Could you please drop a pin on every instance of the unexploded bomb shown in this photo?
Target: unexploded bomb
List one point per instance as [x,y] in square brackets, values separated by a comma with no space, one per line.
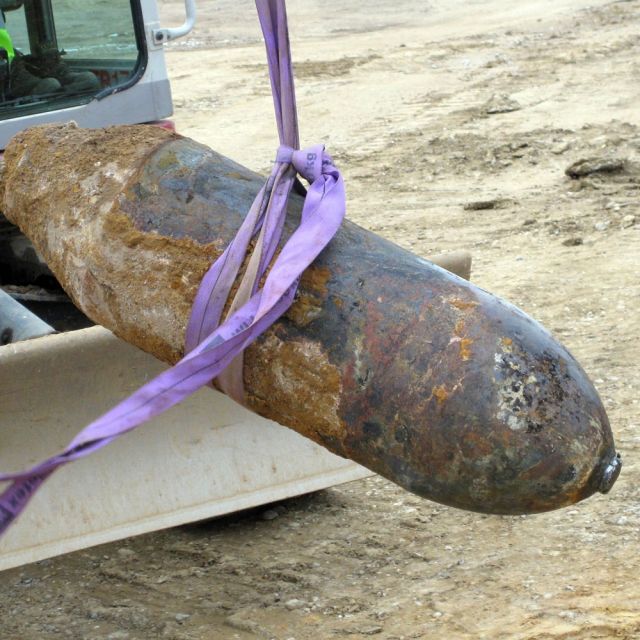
[384,358]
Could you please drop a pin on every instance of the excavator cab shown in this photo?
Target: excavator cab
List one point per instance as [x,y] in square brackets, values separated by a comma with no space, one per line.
[96,62]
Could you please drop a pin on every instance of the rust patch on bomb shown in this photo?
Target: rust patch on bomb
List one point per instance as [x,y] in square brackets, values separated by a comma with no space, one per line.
[290,380]
[311,296]
[441,394]
[465,348]
[306,309]
[464,342]
[517,390]
[123,228]
[315,280]
[464,305]
[174,269]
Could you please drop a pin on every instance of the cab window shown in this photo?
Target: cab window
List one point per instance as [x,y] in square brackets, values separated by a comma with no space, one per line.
[60,53]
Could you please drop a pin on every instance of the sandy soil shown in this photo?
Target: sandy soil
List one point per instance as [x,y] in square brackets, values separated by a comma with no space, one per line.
[454,123]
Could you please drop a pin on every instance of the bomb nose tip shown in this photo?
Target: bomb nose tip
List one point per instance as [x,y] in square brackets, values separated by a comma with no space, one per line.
[610,473]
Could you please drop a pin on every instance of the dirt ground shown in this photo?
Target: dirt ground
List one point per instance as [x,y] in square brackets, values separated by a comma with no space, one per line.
[454,123]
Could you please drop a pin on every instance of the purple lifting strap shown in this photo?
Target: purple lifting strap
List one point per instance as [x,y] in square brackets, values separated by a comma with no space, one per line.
[213,346]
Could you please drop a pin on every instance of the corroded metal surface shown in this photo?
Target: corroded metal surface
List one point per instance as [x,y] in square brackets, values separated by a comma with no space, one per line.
[384,358]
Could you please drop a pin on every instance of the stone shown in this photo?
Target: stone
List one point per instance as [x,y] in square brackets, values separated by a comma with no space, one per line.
[269,514]
[589,166]
[480,205]
[560,148]
[628,221]
[501,103]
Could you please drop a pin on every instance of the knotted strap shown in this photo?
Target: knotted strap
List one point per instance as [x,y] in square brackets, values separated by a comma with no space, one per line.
[212,345]
[263,217]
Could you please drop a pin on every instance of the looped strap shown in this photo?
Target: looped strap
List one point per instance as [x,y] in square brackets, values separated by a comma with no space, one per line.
[312,164]
[307,162]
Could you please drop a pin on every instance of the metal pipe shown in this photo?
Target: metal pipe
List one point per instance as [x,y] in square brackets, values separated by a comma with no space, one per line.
[17,323]
[163,35]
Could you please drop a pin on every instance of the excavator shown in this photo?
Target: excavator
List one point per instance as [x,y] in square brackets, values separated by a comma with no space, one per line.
[100,63]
